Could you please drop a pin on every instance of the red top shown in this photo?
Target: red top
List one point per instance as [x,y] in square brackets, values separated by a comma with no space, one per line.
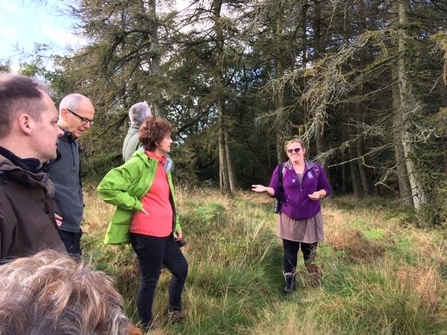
[158,221]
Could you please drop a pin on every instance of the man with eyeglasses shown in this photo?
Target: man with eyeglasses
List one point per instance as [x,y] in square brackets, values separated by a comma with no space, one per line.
[76,113]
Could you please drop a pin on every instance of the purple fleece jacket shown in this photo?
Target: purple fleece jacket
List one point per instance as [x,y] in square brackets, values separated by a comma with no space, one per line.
[295,202]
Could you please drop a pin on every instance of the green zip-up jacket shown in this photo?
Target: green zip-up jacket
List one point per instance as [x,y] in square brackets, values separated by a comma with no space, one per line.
[124,187]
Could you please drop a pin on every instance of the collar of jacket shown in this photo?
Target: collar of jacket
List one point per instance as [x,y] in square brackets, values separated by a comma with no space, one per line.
[28,164]
[166,165]
[308,164]
[68,136]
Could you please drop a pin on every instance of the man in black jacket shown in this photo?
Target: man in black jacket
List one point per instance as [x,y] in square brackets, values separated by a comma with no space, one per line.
[28,138]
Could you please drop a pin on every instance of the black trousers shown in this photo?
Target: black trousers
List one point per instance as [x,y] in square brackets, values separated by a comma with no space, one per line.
[291,248]
[152,253]
[72,242]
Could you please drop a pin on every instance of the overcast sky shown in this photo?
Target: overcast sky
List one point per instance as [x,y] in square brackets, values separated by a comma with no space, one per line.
[24,23]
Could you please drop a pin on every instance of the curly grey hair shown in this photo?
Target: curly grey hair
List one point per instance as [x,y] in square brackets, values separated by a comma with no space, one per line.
[51,294]
[139,112]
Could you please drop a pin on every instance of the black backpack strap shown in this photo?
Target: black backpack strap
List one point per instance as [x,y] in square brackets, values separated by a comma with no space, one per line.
[279,196]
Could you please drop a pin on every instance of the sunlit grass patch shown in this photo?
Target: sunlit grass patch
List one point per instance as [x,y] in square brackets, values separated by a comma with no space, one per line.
[379,276]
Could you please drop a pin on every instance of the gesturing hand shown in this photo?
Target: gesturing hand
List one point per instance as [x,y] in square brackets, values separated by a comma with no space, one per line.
[315,196]
[258,188]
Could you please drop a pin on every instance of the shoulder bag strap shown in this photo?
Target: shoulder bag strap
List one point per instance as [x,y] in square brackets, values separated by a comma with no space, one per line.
[280,182]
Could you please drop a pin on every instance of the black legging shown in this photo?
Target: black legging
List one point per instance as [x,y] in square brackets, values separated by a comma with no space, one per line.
[152,252]
[291,248]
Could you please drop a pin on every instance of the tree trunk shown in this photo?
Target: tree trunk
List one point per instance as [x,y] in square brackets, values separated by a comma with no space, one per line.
[366,185]
[367,188]
[279,93]
[226,171]
[156,53]
[355,180]
[410,187]
[319,131]
[230,166]
[225,187]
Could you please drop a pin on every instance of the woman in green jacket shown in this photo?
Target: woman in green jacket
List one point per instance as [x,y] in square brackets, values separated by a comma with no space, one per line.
[143,193]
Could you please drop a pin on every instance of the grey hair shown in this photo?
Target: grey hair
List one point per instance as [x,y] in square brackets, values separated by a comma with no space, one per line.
[51,294]
[72,101]
[139,112]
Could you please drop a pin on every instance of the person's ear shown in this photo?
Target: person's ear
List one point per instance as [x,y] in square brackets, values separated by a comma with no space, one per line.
[63,113]
[26,123]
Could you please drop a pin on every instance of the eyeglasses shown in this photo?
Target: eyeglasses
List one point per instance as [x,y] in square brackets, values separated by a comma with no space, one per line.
[296,150]
[84,120]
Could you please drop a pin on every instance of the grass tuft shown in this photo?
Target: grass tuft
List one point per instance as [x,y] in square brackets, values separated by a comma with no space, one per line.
[380,274]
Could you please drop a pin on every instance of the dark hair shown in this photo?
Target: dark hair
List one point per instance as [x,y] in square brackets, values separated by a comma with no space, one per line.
[152,131]
[19,93]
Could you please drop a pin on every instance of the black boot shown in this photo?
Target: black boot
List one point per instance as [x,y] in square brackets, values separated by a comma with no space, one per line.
[290,282]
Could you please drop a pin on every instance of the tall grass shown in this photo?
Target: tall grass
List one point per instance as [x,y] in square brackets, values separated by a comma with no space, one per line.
[380,276]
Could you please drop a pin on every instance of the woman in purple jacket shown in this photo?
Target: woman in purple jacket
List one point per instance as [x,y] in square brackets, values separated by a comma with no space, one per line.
[300,222]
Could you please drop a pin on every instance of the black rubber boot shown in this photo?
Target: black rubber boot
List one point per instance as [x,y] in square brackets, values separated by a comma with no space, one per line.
[290,282]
